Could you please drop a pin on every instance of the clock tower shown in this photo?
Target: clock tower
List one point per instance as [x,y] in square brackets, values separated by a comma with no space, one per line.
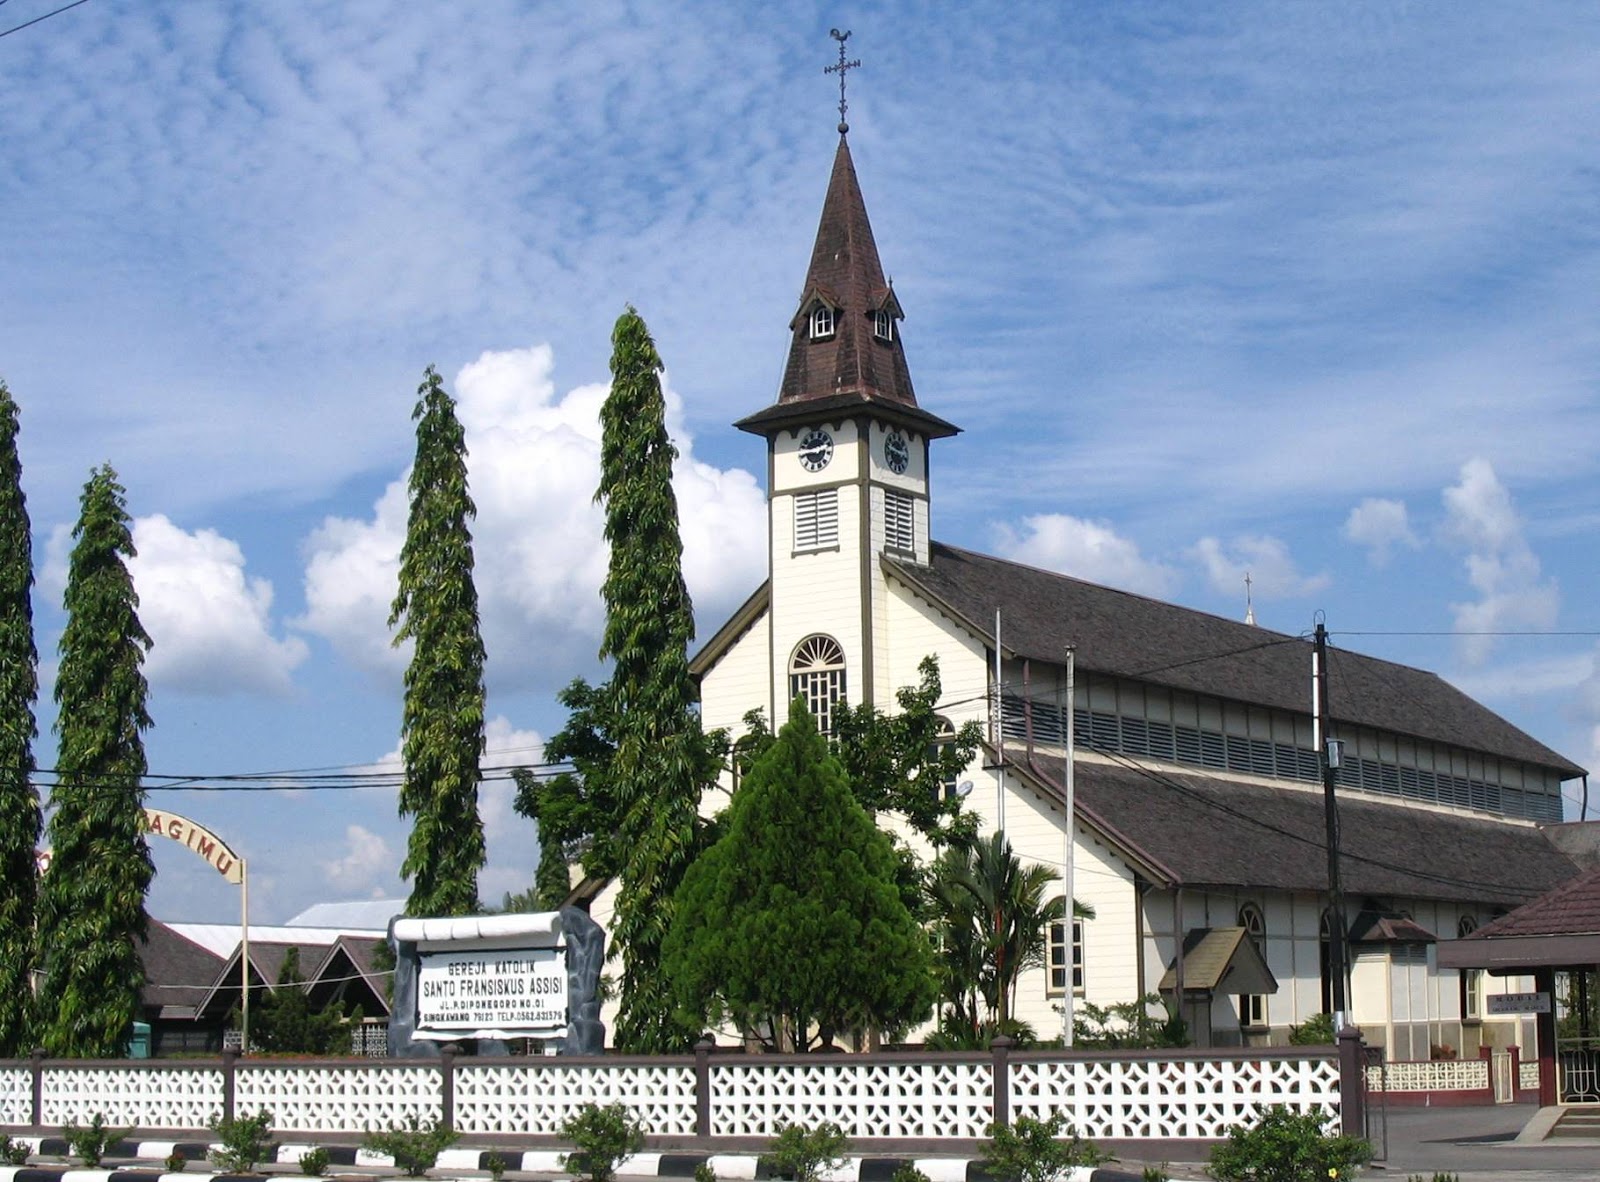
[847,467]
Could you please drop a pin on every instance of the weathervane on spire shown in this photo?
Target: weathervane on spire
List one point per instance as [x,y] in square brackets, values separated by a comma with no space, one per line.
[841,69]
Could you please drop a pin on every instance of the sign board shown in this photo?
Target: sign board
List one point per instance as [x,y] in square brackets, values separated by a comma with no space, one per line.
[199,839]
[1518,1003]
[519,992]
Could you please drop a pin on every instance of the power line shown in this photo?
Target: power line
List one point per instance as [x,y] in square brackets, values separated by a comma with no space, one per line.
[37,19]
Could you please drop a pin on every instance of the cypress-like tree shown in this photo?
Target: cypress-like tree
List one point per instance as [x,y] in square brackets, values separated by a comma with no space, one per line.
[19,801]
[792,924]
[552,882]
[437,608]
[91,906]
[640,759]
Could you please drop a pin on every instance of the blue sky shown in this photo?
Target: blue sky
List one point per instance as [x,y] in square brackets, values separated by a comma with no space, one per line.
[1304,290]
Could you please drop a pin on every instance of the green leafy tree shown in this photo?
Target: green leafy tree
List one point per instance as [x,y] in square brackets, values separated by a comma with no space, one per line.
[19,801]
[791,924]
[283,1022]
[993,924]
[1282,1145]
[437,608]
[640,760]
[91,905]
[552,882]
[905,762]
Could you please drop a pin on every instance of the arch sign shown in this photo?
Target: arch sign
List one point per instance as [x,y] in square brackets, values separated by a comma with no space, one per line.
[199,839]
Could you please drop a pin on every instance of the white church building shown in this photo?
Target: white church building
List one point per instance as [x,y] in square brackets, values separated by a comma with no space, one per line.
[1197,830]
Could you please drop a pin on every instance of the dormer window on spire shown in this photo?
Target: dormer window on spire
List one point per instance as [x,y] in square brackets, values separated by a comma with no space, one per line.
[822,322]
[883,325]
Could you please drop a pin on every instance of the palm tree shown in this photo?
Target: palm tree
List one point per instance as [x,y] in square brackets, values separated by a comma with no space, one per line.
[994,920]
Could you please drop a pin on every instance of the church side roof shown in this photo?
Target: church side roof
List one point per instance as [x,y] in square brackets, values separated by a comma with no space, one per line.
[1261,835]
[178,972]
[1571,909]
[1126,635]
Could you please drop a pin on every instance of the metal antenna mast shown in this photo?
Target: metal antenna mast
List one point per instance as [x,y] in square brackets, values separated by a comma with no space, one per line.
[841,69]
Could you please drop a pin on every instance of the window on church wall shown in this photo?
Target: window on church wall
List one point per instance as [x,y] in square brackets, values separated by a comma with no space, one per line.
[822,319]
[1471,979]
[950,786]
[1056,952]
[816,519]
[817,674]
[899,522]
[1253,1006]
[883,326]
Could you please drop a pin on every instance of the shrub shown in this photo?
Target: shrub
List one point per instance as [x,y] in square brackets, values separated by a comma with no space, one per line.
[1286,1146]
[13,1153]
[91,1141]
[413,1145]
[1143,1023]
[495,1163]
[314,1162]
[704,1173]
[244,1141]
[802,1154]
[604,1137]
[175,1162]
[1028,1150]
[906,1172]
[1315,1031]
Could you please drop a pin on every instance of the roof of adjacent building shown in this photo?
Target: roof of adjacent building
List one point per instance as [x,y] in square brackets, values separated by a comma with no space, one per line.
[1133,636]
[1270,836]
[178,972]
[1571,909]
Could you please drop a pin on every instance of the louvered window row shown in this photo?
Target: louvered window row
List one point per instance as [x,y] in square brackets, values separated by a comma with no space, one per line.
[816,519]
[899,522]
[1124,735]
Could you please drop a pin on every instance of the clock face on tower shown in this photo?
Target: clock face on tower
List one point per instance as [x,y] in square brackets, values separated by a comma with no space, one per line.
[816,449]
[896,453]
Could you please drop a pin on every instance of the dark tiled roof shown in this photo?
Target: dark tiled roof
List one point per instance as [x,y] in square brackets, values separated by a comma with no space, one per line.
[1210,831]
[1126,635]
[846,274]
[178,972]
[1571,909]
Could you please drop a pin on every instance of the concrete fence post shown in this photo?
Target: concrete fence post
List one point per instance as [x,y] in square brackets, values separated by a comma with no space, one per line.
[230,1061]
[1000,1049]
[447,1085]
[702,1087]
[37,1059]
[1352,1084]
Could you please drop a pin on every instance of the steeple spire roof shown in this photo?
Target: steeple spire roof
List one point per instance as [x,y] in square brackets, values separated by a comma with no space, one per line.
[852,355]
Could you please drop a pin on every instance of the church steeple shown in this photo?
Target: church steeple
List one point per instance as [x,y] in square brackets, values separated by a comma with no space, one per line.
[845,350]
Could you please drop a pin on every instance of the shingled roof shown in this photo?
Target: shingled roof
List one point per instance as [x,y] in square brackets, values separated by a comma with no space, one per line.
[1132,636]
[853,368]
[178,973]
[1262,835]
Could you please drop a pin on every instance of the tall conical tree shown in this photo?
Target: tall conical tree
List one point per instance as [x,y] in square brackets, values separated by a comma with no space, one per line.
[437,607]
[91,905]
[658,767]
[19,801]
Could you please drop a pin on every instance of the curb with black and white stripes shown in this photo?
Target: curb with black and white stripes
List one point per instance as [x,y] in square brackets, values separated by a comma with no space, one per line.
[734,1167]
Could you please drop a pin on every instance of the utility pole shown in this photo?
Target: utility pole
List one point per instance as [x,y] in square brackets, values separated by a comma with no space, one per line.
[1330,756]
[1070,945]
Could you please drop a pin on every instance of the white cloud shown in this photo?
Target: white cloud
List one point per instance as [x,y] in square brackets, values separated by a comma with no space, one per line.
[1089,550]
[1265,559]
[367,866]
[210,624]
[1380,525]
[533,466]
[1481,520]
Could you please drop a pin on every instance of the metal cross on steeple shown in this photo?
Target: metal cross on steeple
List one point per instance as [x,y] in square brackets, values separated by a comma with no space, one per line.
[841,69]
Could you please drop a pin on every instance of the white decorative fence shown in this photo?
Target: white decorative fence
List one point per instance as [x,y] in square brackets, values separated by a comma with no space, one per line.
[1118,1096]
[1528,1076]
[1432,1075]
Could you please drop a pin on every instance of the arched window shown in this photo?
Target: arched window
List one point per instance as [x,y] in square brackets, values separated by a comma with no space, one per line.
[949,786]
[821,322]
[1471,979]
[1056,951]
[816,673]
[1253,1006]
